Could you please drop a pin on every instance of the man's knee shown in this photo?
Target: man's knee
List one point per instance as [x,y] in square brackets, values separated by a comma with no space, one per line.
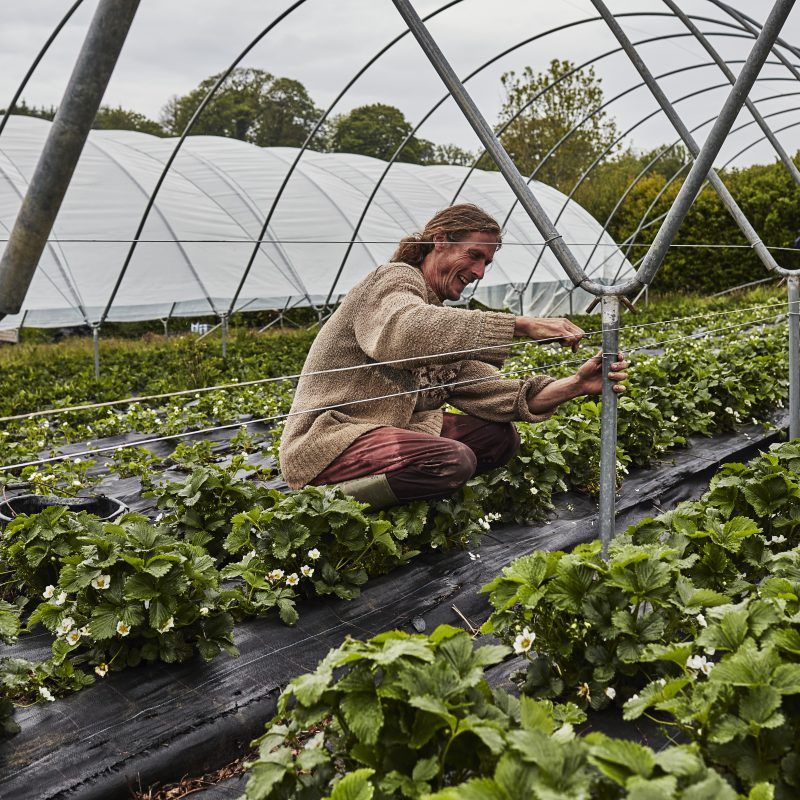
[450,466]
[504,444]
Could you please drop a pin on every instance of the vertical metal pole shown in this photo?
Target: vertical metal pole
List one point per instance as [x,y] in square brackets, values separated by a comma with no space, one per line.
[96,348]
[609,307]
[224,323]
[793,284]
[68,134]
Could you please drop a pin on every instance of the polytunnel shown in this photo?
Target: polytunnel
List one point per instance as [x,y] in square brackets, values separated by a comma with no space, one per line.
[194,249]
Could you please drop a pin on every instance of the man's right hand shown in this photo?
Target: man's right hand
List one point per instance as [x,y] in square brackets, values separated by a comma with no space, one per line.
[558,329]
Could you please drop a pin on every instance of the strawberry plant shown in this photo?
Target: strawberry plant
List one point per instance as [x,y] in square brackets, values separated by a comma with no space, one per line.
[129,591]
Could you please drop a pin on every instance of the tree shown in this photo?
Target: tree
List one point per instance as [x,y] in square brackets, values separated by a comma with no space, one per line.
[252,105]
[377,130]
[451,154]
[607,183]
[545,116]
[25,110]
[121,119]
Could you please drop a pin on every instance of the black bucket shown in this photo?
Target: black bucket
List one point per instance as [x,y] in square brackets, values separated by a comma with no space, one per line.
[106,508]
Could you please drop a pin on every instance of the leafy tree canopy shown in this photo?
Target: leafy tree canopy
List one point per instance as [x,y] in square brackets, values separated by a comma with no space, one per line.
[377,130]
[24,109]
[121,119]
[540,108]
[252,105]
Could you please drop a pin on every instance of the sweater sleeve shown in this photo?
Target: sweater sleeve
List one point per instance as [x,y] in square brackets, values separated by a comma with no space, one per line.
[485,393]
[395,321]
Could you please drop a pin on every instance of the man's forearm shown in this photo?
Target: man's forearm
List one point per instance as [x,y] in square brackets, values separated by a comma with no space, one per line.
[554,394]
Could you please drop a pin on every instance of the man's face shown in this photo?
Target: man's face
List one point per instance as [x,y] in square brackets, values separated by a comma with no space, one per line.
[454,265]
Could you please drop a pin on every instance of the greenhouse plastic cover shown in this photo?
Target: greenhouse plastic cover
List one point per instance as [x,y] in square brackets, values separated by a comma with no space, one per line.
[210,210]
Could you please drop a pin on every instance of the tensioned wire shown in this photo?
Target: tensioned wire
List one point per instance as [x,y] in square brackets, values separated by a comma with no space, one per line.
[320,409]
[394,242]
[256,382]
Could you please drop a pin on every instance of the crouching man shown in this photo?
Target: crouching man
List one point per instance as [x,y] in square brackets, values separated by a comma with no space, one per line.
[367,413]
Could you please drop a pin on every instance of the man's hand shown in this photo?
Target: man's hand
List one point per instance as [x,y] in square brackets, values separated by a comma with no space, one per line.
[560,330]
[590,375]
[587,380]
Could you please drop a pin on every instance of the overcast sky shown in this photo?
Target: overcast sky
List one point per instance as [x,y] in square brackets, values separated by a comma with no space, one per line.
[174,44]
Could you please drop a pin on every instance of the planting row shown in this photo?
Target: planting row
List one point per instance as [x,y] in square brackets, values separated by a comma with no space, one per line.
[693,619]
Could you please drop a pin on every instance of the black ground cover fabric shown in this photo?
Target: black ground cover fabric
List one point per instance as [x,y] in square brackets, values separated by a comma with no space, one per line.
[158,723]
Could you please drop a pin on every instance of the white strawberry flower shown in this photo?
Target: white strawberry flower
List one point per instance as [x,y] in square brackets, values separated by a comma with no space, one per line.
[307,571]
[101,669]
[314,554]
[46,694]
[779,539]
[49,591]
[275,575]
[699,663]
[204,611]
[102,582]
[524,641]
[73,637]
[167,626]
[123,629]
[292,580]
[701,621]
[611,692]
[65,626]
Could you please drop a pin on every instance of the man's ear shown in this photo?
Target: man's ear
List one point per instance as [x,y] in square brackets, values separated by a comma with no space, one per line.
[439,240]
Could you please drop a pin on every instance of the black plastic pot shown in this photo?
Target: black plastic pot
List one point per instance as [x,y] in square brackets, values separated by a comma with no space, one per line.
[106,508]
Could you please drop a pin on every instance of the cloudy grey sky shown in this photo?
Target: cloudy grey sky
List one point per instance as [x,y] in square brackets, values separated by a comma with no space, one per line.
[174,44]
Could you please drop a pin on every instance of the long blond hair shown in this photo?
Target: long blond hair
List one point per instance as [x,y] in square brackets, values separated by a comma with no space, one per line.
[455,222]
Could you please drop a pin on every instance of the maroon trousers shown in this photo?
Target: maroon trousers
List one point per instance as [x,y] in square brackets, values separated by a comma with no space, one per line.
[423,467]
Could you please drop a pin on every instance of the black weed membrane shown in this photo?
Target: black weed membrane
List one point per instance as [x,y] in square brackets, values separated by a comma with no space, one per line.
[157,723]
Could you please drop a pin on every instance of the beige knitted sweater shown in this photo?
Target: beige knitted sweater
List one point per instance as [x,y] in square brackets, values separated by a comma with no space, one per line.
[393,314]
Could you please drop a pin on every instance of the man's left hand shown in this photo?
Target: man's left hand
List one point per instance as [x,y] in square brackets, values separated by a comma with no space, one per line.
[590,375]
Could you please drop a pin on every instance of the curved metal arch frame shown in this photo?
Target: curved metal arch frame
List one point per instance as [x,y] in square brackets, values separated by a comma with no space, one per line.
[632,185]
[472,74]
[591,168]
[602,155]
[35,63]
[630,241]
[198,111]
[318,125]
[711,50]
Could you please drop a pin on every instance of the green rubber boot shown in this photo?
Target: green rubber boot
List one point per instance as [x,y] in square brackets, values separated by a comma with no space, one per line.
[371,489]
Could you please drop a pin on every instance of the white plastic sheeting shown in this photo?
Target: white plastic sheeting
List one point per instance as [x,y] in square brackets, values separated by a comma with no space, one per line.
[208,214]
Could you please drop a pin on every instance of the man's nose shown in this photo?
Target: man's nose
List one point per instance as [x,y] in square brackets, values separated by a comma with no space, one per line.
[478,272]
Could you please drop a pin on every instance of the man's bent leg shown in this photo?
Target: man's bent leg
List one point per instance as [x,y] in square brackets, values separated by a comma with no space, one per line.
[413,466]
[494,443]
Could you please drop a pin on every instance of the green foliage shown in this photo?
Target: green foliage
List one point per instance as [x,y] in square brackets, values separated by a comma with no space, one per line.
[252,105]
[542,118]
[122,119]
[404,716]
[377,130]
[120,592]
